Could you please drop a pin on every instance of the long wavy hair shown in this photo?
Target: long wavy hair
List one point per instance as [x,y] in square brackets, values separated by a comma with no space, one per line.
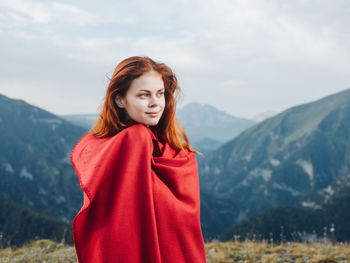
[112,119]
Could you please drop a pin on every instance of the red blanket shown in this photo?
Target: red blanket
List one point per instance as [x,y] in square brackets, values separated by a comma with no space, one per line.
[141,200]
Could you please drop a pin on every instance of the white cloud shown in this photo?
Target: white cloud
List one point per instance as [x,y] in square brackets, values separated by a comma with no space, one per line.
[47,12]
[234,83]
[257,55]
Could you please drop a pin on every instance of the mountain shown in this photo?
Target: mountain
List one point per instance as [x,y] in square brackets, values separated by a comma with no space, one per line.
[19,223]
[82,120]
[214,214]
[282,159]
[205,121]
[329,207]
[263,116]
[206,126]
[38,181]
[35,168]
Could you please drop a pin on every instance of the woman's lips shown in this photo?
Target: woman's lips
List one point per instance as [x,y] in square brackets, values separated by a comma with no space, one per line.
[153,114]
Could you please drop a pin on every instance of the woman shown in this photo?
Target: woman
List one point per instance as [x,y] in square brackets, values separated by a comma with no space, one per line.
[139,174]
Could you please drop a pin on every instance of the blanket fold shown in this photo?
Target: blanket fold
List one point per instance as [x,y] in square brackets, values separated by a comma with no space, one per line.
[141,200]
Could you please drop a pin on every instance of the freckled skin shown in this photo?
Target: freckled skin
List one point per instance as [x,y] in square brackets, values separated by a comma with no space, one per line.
[145,95]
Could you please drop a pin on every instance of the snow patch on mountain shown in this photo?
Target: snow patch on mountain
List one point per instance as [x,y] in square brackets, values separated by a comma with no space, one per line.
[54,122]
[30,148]
[60,199]
[216,170]
[308,169]
[55,171]
[310,204]
[286,188]
[42,191]
[241,216]
[275,162]
[66,158]
[8,167]
[26,174]
[248,157]
[265,174]
[329,190]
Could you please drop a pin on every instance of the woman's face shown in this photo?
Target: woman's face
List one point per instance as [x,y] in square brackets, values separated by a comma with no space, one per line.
[144,101]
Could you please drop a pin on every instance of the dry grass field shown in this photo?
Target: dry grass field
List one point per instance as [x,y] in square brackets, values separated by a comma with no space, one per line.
[46,251]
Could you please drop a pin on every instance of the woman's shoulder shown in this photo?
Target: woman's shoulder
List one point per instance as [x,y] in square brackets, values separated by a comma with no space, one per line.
[135,133]
[138,129]
[138,133]
[135,136]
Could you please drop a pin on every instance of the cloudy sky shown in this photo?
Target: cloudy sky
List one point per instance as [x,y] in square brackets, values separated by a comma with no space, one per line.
[245,57]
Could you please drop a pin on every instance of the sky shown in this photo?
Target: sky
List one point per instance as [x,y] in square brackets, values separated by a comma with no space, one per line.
[245,57]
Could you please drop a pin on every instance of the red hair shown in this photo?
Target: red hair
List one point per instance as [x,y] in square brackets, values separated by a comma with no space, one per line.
[112,118]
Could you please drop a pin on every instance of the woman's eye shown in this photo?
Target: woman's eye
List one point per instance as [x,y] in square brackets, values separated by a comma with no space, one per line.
[145,94]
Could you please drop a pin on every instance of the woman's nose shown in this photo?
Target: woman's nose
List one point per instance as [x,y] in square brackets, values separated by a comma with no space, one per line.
[154,100]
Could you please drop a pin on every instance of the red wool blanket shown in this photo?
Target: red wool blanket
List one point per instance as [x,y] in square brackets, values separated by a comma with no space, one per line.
[141,200]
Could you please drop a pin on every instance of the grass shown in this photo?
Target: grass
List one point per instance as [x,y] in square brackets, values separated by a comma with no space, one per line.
[39,251]
[47,251]
[249,251]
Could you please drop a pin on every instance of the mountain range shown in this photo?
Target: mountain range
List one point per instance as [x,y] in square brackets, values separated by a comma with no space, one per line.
[324,214]
[20,223]
[281,160]
[206,126]
[284,166]
[35,167]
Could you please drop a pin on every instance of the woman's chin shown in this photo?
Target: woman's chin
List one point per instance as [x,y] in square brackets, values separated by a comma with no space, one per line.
[151,122]
[147,121]
[154,123]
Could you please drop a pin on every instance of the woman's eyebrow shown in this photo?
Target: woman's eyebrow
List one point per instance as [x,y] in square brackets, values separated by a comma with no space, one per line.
[148,90]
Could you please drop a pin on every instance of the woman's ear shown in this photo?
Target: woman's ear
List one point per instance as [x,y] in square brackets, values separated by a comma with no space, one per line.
[119,101]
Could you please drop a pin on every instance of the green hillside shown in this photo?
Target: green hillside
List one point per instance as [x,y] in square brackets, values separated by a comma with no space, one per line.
[19,224]
[282,159]
[311,219]
[35,167]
